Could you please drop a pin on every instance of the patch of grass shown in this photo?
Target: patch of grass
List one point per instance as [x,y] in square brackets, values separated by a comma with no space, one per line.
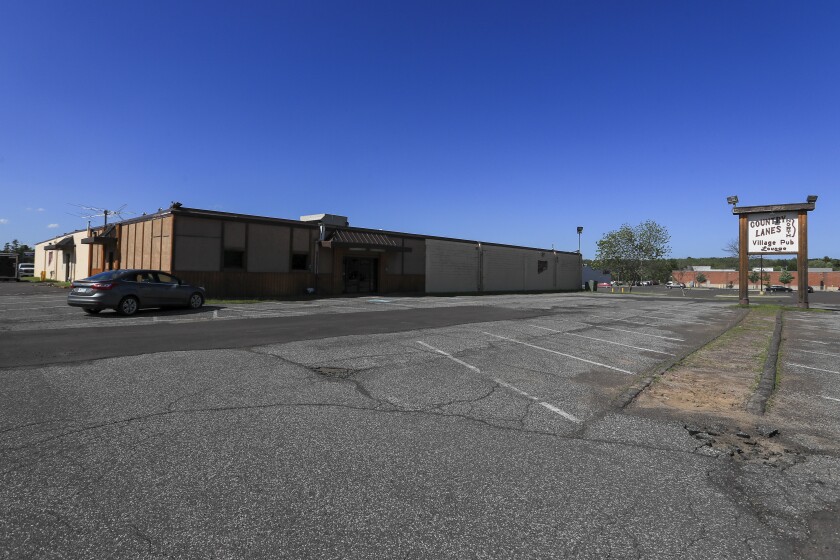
[47,282]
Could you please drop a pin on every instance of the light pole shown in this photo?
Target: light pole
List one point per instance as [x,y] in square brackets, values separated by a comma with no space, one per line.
[579,230]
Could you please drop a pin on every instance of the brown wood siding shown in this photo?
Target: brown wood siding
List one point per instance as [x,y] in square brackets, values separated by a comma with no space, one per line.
[240,284]
[128,247]
[147,244]
[155,261]
[402,283]
[166,241]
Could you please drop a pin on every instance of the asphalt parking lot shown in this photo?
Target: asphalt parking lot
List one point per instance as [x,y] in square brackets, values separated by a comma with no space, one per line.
[434,427]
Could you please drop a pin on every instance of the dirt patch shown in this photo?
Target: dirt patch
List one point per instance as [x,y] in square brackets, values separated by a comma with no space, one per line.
[711,387]
[720,377]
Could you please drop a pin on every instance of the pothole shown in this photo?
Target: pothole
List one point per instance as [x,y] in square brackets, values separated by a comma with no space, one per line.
[759,444]
[334,372]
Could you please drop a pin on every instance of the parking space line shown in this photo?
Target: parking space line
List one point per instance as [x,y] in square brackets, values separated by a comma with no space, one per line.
[632,332]
[817,342]
[820,353]
[604,340]
[813,368]
[450,356]
[551,407]
[830,398]
[559,353]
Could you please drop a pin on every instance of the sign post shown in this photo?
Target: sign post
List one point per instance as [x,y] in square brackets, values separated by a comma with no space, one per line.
[780,229]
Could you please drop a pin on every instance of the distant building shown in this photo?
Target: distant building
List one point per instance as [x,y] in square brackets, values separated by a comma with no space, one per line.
[238,255]
[818,278]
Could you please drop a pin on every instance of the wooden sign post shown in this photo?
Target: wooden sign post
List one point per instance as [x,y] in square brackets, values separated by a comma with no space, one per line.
[780,229]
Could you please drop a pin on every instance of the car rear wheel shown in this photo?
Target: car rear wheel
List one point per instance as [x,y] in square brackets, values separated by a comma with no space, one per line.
[128,306]
[91,310]
[196,301]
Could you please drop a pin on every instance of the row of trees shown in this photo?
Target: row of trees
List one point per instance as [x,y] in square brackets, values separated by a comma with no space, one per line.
[16,247]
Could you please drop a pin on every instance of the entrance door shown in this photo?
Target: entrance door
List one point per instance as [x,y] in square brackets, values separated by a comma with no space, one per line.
[360,275]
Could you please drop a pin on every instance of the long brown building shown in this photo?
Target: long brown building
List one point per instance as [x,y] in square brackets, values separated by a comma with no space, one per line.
[237,255]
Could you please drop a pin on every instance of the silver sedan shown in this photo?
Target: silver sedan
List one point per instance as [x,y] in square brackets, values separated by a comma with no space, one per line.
[126,291]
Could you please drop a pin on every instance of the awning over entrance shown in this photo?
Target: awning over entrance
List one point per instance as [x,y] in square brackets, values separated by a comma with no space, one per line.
[363,240]
[63,245]
[106,237]
[99,240]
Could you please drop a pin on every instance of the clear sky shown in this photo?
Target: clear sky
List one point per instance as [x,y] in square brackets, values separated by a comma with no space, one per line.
[509,122]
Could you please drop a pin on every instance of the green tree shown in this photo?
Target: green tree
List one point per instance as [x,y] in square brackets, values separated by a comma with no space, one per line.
[765,280]
[16,247]
[785,277]
[753,277]
[700,278]
[634,252]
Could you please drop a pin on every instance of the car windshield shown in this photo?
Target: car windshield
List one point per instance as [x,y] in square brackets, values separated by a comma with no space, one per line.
[107,275]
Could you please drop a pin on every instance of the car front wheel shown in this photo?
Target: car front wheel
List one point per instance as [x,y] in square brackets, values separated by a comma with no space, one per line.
[128,306]
[196,301]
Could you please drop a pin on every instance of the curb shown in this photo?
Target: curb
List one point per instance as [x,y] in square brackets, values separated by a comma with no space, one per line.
[758,401]
[630,394]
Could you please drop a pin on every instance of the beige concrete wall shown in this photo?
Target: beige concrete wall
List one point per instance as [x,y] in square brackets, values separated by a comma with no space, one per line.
[63,265]
[451,266]
[455,267]
[504,269]
[569,271]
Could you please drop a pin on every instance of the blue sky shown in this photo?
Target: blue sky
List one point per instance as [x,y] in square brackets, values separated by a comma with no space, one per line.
[510,122]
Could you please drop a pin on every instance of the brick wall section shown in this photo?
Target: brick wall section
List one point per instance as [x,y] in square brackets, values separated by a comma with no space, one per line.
[721,278]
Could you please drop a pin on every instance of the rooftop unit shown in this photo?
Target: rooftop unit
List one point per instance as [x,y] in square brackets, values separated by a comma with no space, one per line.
[332,220]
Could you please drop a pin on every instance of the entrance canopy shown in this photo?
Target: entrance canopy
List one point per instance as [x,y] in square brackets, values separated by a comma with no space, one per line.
[106,237]
[363,240]
[64,245]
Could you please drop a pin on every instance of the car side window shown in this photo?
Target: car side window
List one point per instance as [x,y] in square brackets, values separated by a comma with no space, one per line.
[164,278]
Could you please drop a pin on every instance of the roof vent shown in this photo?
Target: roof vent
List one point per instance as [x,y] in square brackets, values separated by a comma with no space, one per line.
[332,220]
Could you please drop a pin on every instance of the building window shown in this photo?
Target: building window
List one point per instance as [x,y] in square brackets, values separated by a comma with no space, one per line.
[542,266]
[234,259]
[300,261]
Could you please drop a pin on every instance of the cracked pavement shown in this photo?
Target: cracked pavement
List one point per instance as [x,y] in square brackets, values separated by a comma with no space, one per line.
[376,446]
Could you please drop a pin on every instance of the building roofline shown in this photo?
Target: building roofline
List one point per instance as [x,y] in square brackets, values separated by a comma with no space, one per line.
[74,232]
[214,214]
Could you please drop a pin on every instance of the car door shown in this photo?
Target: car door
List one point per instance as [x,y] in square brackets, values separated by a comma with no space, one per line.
[140,283]
[169,289]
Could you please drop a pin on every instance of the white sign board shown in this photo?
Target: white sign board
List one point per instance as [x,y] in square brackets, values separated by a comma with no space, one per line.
[773,232]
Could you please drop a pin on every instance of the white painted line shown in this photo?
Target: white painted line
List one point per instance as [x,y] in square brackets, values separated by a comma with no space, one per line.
[820,353]
[813,368]
[556,410]
[604,340]
[817,342]
[450,356]
[550,407]
[679,320]
[392,303]
[830,398]
[559,353]
[515,389]
[631,332]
